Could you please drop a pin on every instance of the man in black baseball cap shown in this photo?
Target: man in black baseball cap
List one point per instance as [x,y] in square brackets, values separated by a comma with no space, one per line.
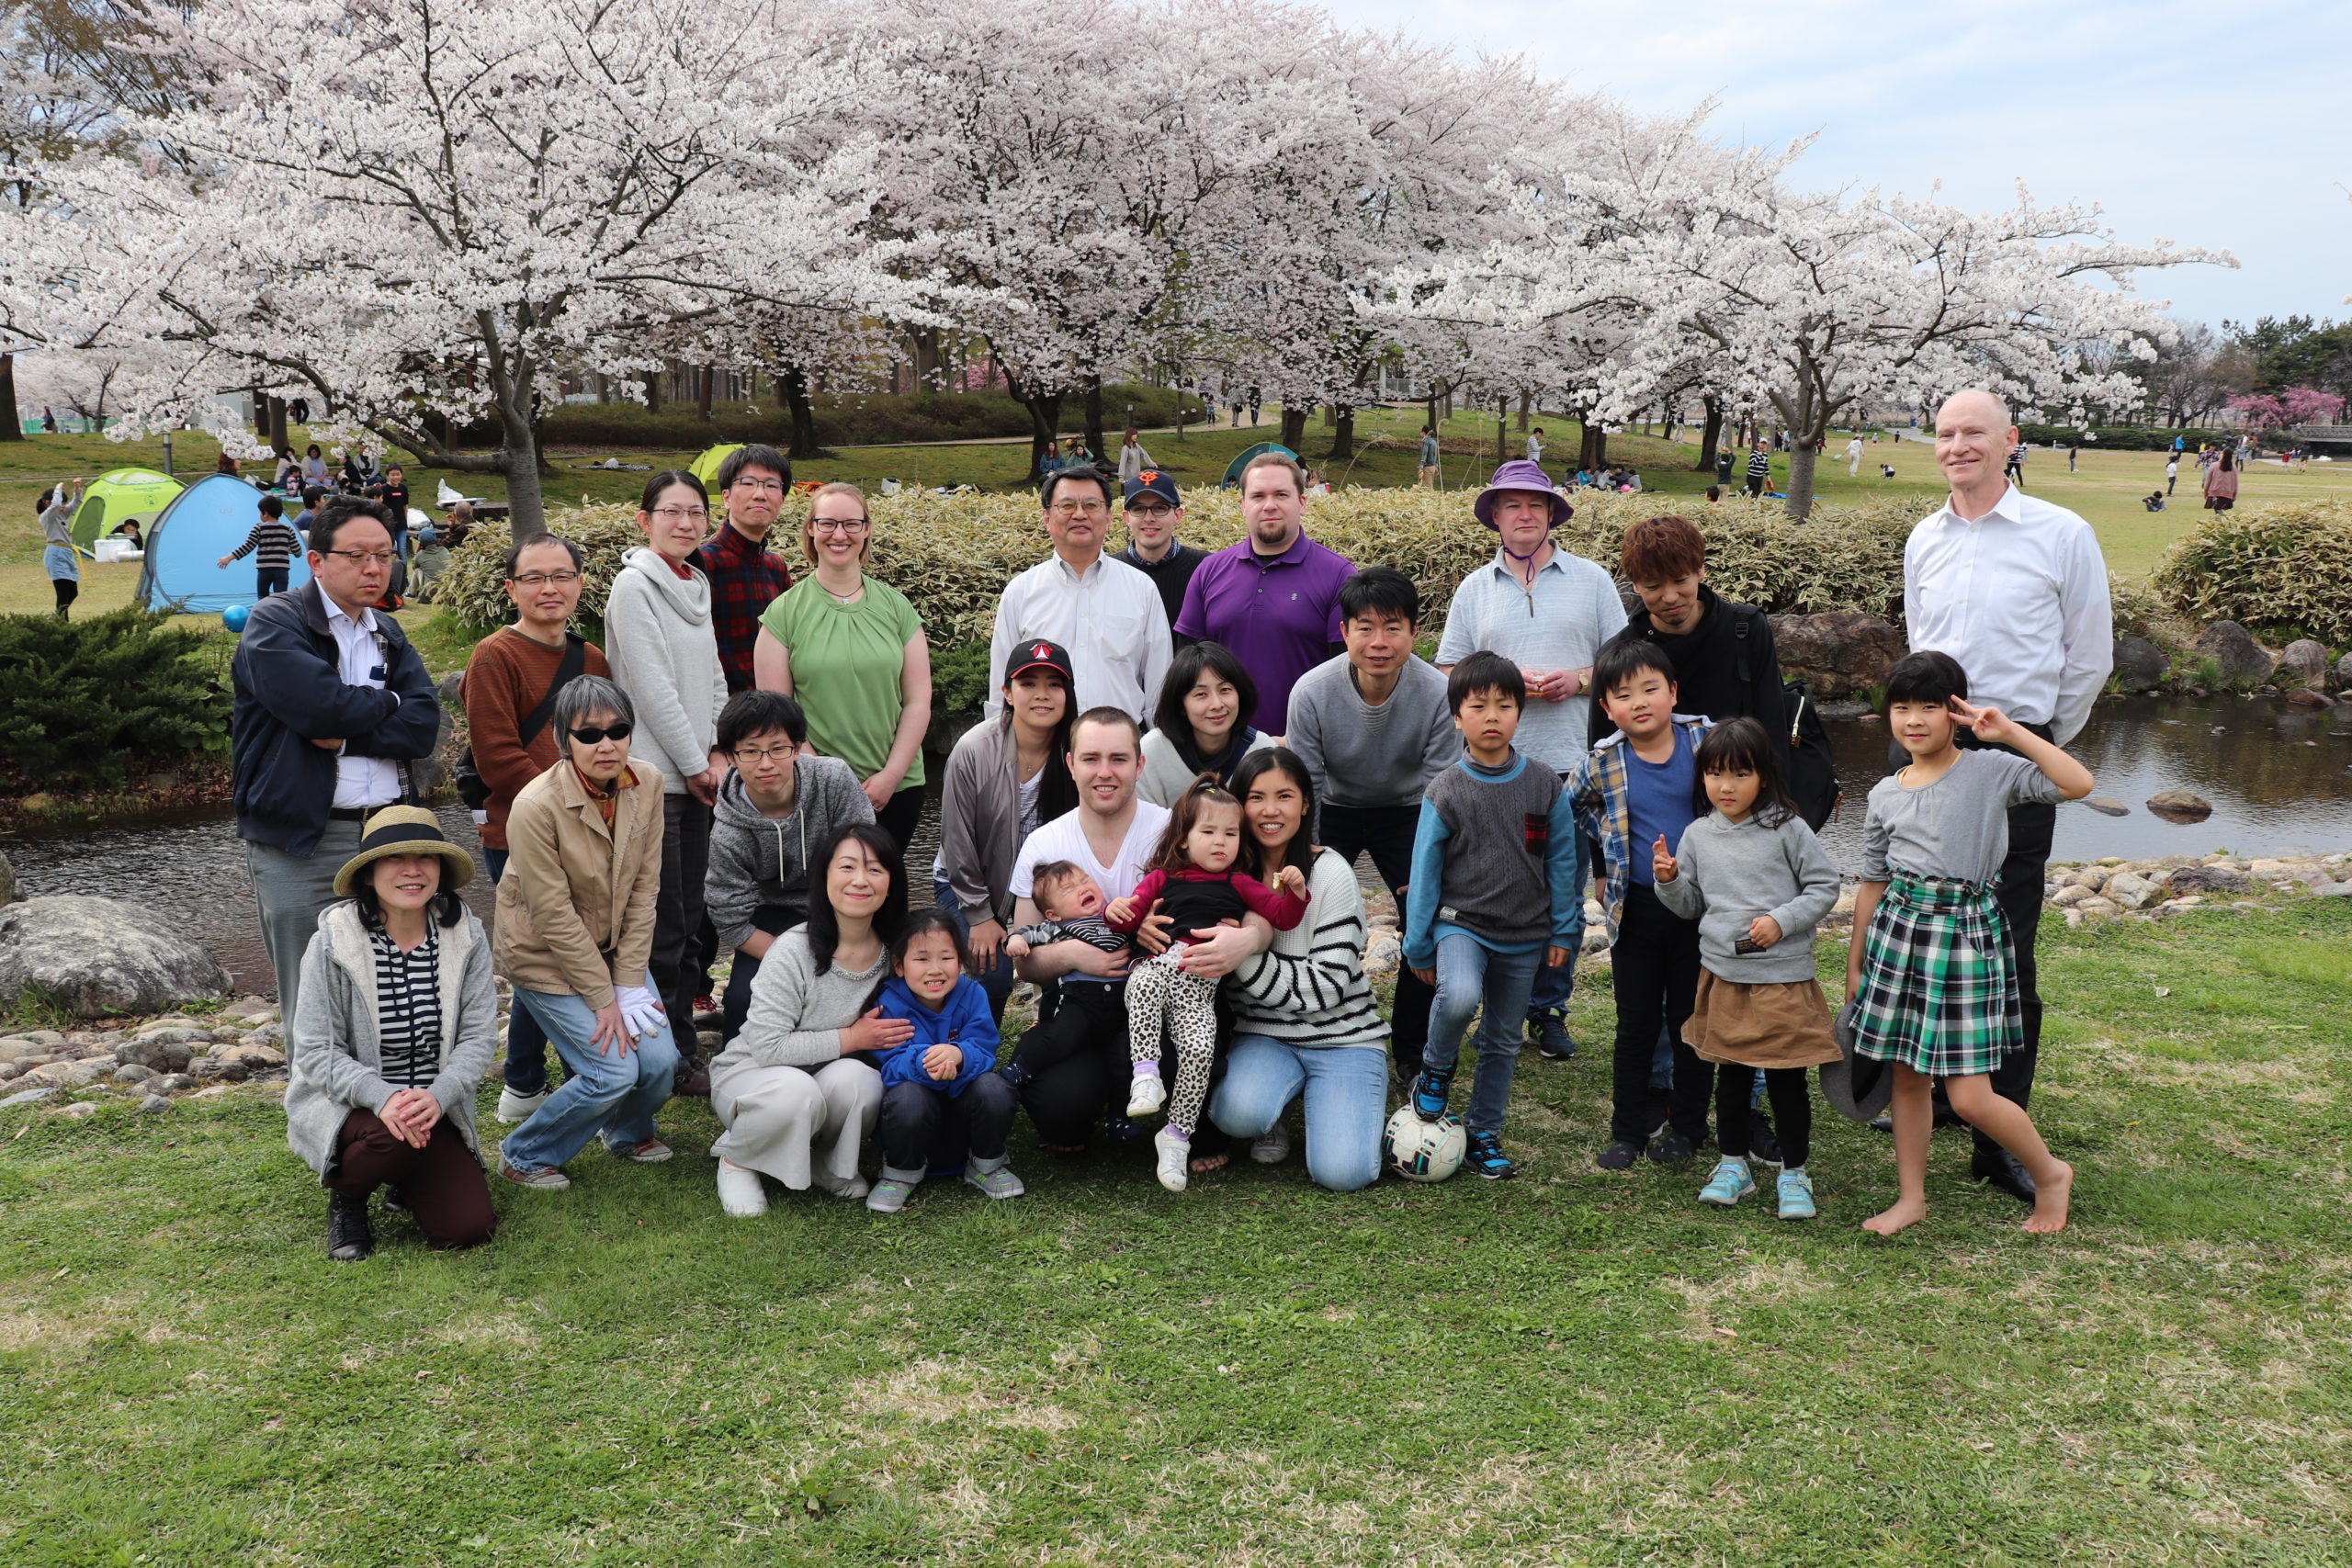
[1154,513]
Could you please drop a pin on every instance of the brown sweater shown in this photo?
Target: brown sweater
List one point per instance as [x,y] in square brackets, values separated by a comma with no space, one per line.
[507,677]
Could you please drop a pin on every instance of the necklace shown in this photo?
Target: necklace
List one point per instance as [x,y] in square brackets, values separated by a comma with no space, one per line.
[852,597]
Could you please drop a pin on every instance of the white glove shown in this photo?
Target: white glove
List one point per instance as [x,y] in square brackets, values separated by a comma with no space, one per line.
[640,1010]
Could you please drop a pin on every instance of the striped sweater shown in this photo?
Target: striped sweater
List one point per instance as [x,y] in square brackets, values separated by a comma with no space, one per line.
[275,538]
[1309,989]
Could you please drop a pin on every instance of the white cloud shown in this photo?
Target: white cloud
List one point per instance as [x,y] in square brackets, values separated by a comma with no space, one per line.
[2214,128]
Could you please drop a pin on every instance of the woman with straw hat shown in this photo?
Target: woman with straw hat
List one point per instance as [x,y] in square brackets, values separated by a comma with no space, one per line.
[575,934]
[396,1023]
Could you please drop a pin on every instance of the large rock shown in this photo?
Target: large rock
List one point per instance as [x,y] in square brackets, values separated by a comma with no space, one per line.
[2343,673]
[7,880]
[2302,663]
[1839,652]
[2243,660]
[2138,664]
[94,956]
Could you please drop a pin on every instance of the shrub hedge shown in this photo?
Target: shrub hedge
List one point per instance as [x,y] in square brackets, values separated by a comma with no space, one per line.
[854,420]
[2123,437]
[2285,570]
[99,698]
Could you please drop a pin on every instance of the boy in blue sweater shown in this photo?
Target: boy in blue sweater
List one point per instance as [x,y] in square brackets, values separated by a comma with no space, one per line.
[1634,794]
[1493,894]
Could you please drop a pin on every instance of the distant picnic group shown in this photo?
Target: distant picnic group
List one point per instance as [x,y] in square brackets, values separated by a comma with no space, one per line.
[1155,823]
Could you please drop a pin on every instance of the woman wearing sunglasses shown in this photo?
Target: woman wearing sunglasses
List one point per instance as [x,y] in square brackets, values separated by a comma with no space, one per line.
[575,930]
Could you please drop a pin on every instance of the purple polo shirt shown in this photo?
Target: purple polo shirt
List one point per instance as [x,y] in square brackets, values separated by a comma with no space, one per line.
[1279,615]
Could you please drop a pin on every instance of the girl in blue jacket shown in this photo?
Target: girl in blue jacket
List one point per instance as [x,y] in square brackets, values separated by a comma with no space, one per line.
[943,1104]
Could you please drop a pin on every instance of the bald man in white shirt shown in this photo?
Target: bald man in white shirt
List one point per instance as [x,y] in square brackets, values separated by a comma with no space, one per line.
[2016,589]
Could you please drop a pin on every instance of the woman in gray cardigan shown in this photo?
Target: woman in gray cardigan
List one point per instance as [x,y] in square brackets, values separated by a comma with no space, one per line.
[396,1023]
[1005,776]
[797,1085]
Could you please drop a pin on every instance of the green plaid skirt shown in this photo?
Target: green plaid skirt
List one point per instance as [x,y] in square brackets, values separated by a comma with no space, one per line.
[1938,991]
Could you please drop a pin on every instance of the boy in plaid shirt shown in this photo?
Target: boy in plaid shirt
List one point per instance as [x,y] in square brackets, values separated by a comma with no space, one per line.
[1636,790]
[1931,979]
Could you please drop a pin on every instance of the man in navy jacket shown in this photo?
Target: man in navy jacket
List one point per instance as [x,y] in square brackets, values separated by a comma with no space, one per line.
[332,700]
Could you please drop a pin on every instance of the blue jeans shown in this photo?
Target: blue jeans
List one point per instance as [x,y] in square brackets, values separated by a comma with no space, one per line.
[997,981]
[1554,987]
[1474,978]
[527,1043]
[611,1091]
[1347,1099]
[272,579]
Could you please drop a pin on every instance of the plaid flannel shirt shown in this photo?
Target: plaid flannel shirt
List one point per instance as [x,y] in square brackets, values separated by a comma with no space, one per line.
[1603,799]
[745,578]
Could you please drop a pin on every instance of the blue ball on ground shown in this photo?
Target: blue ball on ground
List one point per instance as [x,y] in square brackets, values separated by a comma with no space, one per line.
[234,617]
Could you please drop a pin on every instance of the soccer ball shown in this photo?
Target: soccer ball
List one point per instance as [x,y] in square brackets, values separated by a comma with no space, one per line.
[1422,1151]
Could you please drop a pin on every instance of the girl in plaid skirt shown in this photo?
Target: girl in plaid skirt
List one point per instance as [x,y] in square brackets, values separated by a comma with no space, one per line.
[1931,983]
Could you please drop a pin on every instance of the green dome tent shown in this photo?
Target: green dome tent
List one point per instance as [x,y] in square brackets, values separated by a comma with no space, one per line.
[118,498]
[1232,469]
[706,468]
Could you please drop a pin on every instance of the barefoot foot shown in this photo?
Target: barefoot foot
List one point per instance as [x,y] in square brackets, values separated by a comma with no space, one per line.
[2050,1198]
[1903,1216]
[1203,1164]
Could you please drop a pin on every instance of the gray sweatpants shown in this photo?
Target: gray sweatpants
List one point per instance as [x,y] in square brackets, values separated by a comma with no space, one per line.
[290,891]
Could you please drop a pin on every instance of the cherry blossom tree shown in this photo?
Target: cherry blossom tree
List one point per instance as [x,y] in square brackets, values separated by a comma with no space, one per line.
[2284,411]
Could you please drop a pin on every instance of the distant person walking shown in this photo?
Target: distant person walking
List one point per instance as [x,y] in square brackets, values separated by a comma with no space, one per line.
[272,545]
[2172,472]
[1133,458]
[1428,464]
[1854,458]
[57,556]
[1535,453]
[2074,458]
[2222,484]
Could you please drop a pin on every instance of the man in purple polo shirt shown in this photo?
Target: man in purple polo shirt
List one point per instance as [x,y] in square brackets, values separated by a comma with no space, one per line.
[1273,599]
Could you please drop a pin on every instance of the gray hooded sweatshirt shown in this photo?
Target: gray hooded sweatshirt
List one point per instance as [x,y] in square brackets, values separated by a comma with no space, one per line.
[1728,873]
[756,858]
[664,654]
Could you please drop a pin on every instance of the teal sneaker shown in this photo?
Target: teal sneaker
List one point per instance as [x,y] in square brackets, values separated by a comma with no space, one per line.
[1796,1194]
[1729,1184]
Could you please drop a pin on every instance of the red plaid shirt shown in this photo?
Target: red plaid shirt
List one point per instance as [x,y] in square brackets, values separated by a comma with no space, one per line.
[745,578]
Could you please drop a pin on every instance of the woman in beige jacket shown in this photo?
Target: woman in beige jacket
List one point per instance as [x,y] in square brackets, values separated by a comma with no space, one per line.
[575,927]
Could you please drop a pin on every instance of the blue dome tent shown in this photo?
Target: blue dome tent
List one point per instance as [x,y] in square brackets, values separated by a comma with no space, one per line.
[204,523]
[1241,460]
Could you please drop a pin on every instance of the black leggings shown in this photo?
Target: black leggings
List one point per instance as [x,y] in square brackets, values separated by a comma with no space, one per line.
[1792,1109]
[67,588]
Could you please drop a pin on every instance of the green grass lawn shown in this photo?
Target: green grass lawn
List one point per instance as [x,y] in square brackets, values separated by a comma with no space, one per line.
[1571,1368]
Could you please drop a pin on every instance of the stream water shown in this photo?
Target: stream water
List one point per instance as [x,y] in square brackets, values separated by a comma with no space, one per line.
[2279,778]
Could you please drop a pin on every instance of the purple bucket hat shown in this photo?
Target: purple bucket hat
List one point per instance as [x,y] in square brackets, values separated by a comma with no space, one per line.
[1521,474]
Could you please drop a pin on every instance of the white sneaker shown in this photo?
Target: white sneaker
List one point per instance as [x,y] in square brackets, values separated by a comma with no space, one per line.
[1146,1095]
[513,1108]
[740,1192]
[845,1186]
[1271,1146]
[1175,1158]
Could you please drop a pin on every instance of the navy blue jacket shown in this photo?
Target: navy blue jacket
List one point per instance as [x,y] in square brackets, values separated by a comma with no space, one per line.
[290,689]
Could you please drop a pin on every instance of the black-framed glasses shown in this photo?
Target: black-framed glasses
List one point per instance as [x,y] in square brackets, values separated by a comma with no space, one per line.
[541,578]
[364,558]
[589,735]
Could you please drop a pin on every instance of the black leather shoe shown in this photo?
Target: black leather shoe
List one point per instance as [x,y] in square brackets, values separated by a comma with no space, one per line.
[1881,1124]
[349,1239]
[2001,1168]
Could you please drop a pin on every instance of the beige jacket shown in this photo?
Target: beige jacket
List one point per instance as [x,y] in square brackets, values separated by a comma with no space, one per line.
[575,907]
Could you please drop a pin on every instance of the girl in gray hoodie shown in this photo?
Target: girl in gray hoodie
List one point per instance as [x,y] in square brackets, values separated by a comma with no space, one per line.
[1757,881]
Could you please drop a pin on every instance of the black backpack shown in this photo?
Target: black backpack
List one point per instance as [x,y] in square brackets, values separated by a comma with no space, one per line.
[1812,763]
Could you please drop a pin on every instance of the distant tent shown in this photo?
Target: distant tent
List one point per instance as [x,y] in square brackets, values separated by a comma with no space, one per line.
[706,468]
[1232,469]
[120,497]
[210,518]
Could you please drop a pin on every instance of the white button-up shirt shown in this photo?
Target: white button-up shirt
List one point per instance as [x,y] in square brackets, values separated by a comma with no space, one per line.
[1559,624]
[360,782]
[2019,598]
[1108,616]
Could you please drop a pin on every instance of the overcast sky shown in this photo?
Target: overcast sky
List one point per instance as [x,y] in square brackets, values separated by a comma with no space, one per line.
[2221,125]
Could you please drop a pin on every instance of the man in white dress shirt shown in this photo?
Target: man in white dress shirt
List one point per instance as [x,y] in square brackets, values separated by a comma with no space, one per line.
[2016,589]
[1105,613]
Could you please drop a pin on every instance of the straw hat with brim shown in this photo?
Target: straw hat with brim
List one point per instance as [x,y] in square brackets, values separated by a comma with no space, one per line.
[1858,1088]
[1521,474]
[405,830]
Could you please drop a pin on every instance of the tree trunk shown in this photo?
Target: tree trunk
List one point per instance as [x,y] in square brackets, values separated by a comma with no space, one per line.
[1807,418]
[702,391]
[1095,437]
[11,423]
[277,421]
[1523,401]
[653,388]
[1711,436]
[1665,421]
[924,342]
[1294,426]
[1343,439]
[1592,447]
[792,386]
[1502,430]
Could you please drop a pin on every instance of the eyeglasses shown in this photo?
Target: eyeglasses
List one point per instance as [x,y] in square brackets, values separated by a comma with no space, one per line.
[838,525]
[589,735]
[364,558]
[748,755]
[1152,513]
[683,513]
[541,578]
[757,487]
[1079,508]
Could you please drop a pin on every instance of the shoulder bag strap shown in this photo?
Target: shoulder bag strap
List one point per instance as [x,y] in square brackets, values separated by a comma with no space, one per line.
[575,660]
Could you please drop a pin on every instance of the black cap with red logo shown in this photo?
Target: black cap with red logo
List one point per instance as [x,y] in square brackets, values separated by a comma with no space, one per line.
[1038,654]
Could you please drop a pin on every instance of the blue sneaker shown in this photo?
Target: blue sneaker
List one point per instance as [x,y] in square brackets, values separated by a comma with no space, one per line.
[1548,1032]
[1796,1194]
[1729,1184]
[1485,1157]
[1431,1090]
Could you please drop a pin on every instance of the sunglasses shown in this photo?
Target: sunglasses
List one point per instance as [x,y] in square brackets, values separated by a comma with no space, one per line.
[591,736]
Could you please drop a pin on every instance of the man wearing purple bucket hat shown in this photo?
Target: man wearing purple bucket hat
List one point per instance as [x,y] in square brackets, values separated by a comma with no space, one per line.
[1549,612]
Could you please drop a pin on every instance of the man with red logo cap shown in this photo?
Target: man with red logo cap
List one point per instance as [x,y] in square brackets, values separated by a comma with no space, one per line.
[1154,513]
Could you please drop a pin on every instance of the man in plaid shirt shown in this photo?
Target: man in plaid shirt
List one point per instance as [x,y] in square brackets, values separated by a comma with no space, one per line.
[746,576]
